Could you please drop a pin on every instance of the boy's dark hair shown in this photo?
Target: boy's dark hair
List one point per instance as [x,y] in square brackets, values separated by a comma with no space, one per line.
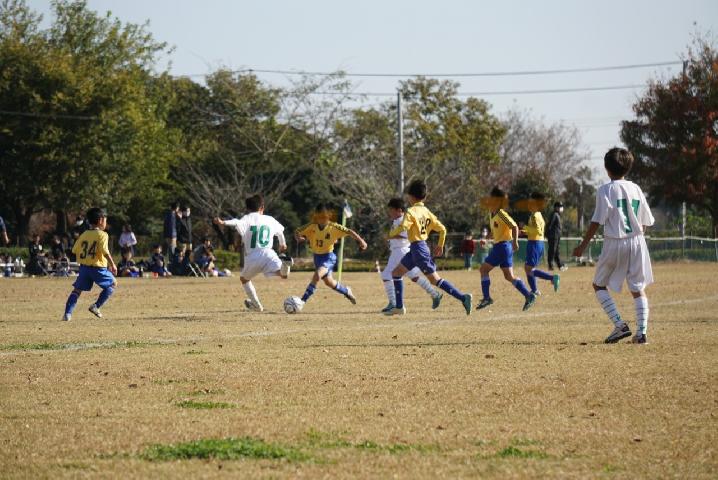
[396,203]
[618,161]
[95,214]
[321,207]
[174,205]
[538,196]
[417,189]
[254,203]
[156,246]
[497,192]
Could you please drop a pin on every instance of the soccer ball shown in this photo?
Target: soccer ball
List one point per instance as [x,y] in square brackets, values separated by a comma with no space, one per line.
[293,305]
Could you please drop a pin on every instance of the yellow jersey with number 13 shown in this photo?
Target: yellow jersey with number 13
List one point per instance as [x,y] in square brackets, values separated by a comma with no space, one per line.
[419,222]
[91,248]
[322,240]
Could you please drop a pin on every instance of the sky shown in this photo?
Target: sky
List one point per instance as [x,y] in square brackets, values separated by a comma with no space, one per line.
[448,36]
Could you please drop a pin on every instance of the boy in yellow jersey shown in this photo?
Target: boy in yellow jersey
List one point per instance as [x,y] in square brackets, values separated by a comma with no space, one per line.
[321,235]
[506,234]
[93,255]
[534,248]
[419,222]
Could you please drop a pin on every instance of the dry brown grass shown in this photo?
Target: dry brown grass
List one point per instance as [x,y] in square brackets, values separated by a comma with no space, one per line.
[500,394]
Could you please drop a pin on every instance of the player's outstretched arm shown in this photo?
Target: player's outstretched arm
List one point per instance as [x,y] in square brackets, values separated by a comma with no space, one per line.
[282,242]
[218,221]
[111,263]
[515,238]
[592,229]
[357,237]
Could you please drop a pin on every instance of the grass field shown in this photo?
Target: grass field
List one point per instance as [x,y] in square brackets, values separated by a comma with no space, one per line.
[178,380]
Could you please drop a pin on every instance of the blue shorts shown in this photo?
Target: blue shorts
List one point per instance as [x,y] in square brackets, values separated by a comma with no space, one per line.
[534,252]
[326,260]
[89,275]
[419,256]
[501,255]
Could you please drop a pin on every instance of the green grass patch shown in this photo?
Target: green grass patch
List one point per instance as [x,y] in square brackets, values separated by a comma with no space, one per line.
[224,449]
[203,405]
[515,452]
[77,345]
[318,439]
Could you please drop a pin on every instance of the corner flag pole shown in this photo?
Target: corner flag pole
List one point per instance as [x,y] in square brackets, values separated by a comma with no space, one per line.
[346,213]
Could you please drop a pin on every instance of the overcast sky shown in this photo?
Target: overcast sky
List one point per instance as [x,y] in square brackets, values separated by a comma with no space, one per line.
[448,36]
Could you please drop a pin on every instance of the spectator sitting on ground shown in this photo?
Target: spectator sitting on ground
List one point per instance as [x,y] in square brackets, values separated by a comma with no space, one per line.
[57,249]
[157,262]
[201,253]
[128,267]
[127,238]
[37,264]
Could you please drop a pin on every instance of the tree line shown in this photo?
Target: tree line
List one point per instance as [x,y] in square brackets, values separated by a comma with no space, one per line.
[88,117]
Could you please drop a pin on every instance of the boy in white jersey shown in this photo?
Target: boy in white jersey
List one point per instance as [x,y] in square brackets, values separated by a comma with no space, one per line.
[257,231]
[399,246]
[622,209]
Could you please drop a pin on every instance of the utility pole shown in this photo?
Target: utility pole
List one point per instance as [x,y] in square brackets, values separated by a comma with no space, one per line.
[400,141]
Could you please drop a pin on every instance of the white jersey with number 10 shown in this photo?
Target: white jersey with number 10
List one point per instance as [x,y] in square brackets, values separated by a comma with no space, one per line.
[257,231]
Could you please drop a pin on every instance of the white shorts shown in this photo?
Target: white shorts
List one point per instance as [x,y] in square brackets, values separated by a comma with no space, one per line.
[624,259]
[394,260]
[263,261]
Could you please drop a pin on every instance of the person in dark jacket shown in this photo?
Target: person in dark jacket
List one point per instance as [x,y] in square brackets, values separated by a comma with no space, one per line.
[553,235]
[184,229]
[170,227]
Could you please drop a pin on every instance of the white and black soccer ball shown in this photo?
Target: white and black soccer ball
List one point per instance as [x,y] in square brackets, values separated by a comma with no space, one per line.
[293,305]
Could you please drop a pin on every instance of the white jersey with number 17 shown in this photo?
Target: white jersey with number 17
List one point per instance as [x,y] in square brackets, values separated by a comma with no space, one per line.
[622,209]
[257,231]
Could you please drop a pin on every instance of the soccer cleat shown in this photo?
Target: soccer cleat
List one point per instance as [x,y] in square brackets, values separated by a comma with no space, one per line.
[66,317]
[436,301]
[530,300]
[287,263]
[485,302]
[254,306]
[618,333]
[396,311]
[640,338]
[563,268]
[350,296]
[467,303]
[95,311]
[537,293]
[388,307]
[556,281]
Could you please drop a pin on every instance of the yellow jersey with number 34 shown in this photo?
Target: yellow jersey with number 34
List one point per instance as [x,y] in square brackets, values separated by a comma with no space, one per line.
[91,248]
[419,222]
[322,240]
[501,226]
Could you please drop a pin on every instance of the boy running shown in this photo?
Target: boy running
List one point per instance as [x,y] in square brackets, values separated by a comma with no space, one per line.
[535,247]
[321,235]
[399,246]
[93,254]
[419,222]
[257,232]
[622,209]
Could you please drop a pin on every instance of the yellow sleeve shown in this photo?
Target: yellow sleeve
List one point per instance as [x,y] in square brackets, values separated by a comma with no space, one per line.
[531,229]
[405,224]
[76,246]
[437,226]
[104,246]
[341,231]
[303,231]
[506,219]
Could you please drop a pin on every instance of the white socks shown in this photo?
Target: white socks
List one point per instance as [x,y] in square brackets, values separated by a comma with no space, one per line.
[251,292]
[390,292]
[604,298]
[424,283]
[641,314]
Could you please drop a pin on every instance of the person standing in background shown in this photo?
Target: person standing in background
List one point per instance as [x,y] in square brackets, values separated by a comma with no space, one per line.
[128,239]
[468,247]
[554,237]
[184,229]
[170,227]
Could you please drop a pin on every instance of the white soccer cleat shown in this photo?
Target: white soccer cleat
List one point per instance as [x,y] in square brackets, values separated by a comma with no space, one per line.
[95,311]
[253,306]
[350,296]
[66,317]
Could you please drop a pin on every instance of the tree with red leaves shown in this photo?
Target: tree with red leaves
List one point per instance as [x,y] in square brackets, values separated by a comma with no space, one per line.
[674,137]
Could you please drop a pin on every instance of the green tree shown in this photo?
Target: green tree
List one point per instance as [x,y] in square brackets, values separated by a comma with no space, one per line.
[674,137]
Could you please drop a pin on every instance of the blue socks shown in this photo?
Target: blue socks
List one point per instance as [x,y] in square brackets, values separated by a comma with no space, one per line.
[450,289]
[485,285]
[399,290]
[309,292]
[521,287]
[543,275]
[104,296]
[341,289]
[532,282]
[71,302]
